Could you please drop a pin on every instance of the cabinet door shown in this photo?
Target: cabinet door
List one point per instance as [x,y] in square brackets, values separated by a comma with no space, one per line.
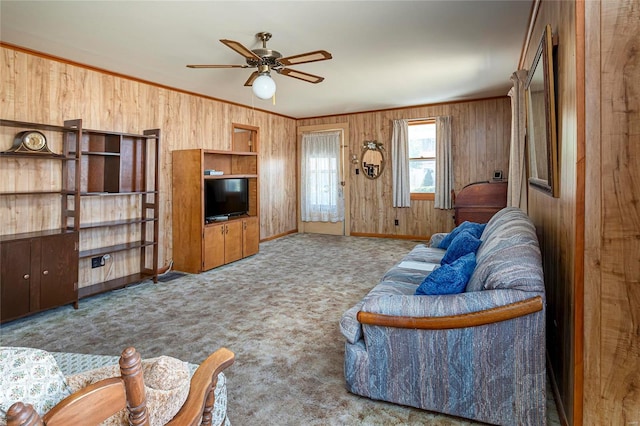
[250,236]
[233,241]
[15,278]
[58,270]
[213,246]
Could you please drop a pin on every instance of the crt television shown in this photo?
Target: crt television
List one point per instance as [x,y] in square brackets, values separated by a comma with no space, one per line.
[226,197]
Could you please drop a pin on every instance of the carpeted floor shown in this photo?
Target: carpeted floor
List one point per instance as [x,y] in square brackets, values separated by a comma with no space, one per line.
[278,311]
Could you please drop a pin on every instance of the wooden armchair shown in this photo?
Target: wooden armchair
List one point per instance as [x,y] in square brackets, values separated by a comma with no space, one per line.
[101,400]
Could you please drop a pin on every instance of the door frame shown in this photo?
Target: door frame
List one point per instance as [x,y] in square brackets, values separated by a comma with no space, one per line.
[344,169]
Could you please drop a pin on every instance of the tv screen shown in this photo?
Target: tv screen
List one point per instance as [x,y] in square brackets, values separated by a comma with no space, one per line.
[226,197]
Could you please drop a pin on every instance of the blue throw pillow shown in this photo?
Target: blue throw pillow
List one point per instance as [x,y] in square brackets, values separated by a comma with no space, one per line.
[462,244]
[450,278]
[476,230]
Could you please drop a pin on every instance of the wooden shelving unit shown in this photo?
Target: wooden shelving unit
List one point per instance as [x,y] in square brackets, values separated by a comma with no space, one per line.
[97,169]
[122,167]
[39,268]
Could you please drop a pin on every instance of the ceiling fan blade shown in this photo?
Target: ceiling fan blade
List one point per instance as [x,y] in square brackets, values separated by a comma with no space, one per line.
[247,53]
[301,75]
[252,77]
[318,55]
[217,66]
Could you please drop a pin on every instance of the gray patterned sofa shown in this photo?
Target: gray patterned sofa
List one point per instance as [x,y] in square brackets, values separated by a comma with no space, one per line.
[479,354]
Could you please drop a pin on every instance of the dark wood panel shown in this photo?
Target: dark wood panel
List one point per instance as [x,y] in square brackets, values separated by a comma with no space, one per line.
[478,202]
[15,265]
[59,270]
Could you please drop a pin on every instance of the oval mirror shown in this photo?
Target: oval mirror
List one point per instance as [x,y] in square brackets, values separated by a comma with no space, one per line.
[372,159]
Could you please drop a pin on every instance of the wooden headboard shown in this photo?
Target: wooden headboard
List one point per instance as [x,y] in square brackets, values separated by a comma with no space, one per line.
[479,201]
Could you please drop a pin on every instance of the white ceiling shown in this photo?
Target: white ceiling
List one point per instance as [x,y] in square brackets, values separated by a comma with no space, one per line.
[386,54]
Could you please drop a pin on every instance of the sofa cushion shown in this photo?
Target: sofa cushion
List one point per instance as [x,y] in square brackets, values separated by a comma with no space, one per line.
[450,278]
[464,243]
[476,230]
[509,256]
[30,376]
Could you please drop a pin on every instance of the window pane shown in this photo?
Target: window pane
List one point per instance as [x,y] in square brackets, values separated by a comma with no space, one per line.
[422,176]
[322,169]
[422,141]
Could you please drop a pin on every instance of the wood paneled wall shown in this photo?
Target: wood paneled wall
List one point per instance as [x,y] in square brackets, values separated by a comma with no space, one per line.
[480,136]
[555,218]
[591,235]
[612,219]
[39,89]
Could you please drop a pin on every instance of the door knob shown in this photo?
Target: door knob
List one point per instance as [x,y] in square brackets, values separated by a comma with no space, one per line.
[26,276]
[45,272]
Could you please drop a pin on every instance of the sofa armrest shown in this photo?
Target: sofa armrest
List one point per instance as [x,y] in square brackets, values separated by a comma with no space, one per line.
[473,319]
[464,309]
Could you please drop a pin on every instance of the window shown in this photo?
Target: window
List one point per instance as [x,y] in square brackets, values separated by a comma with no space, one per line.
[422,159]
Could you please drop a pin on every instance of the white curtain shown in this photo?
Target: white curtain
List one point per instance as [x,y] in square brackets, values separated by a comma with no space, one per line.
[321,190]
[517,185]
[444,164]
[400,163]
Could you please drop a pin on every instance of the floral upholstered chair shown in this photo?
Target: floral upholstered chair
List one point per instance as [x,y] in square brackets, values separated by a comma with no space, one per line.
[34,377]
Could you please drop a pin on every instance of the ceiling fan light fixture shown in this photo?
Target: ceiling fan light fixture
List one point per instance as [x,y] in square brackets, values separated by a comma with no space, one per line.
[264,87]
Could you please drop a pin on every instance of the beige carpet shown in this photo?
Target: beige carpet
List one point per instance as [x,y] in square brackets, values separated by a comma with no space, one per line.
[278,311]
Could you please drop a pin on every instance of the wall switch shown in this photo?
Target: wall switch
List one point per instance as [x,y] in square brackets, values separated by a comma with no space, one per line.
[397,222]
[97,262]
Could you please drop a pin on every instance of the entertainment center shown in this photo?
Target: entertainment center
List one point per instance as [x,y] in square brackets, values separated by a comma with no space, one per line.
[215,208]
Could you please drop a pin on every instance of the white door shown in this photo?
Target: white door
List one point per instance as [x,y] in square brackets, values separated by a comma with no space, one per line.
[323,188]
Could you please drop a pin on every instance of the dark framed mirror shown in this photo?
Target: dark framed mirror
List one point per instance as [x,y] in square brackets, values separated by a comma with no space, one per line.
[372,159]
[542,147]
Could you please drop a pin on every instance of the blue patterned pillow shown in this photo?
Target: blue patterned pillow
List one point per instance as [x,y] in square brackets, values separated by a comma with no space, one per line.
[465,242]
[450,278]
[476,230]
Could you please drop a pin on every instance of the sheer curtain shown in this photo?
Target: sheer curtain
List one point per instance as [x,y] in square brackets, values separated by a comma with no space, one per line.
[400,163]
[517,185]
[321,190]
[444,163]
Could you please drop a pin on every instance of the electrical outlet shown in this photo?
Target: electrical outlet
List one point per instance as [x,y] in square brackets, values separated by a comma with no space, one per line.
[397,222]
[97,262]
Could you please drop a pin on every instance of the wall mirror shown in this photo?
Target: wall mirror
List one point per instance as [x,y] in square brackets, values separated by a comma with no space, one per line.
[372,159]
[541,119]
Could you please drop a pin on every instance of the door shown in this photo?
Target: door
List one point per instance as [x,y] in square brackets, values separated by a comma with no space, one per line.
[250,236]
[58,270]
[213,246]
[15,278]
[232,241]
[323,187]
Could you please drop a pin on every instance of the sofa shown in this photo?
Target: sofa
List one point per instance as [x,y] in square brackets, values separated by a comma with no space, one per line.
[477,354]
[43,379]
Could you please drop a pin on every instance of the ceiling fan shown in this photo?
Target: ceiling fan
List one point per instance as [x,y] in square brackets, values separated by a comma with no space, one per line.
[267,60]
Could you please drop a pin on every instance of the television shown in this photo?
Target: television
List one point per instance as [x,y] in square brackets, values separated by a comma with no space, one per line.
[225,197]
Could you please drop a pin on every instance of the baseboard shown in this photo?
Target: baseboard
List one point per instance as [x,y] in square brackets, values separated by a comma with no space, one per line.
[359,234]
[273,237]
[396,237]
